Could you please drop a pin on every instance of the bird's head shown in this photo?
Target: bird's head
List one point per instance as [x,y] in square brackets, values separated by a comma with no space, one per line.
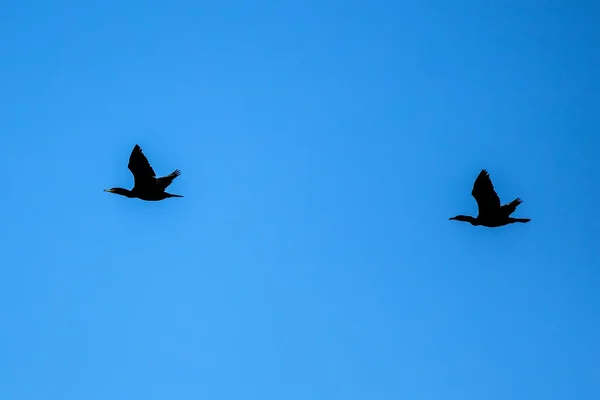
[121,191]
[463,218]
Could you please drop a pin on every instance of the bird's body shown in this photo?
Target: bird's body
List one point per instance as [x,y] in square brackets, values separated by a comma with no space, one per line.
[491,213]
[146,185]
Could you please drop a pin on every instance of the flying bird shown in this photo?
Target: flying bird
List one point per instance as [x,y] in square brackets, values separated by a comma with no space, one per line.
[491,213]
[146,186]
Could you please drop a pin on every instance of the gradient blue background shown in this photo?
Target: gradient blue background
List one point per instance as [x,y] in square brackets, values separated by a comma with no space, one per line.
[323,145]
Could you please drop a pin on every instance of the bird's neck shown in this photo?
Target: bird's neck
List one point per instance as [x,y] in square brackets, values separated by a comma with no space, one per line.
[123,192]
[467,218]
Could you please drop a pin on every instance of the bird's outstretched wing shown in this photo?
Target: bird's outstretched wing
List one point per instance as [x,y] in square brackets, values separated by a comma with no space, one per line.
[510,208]
[485,195]
[164,181]
[143,174]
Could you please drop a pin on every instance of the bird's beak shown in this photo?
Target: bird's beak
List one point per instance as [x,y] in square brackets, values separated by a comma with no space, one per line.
[108,190]
[450,219]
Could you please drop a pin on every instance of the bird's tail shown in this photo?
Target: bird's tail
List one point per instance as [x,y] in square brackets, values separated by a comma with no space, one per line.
[523,220]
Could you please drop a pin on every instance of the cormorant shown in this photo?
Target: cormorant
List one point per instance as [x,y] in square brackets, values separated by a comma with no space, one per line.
[146,186]
[491,213]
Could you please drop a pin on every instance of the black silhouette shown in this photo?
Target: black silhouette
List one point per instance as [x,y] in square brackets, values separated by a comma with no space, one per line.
[491,213]
[146,186]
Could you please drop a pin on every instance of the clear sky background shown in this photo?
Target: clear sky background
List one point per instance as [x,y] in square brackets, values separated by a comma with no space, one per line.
[323,146]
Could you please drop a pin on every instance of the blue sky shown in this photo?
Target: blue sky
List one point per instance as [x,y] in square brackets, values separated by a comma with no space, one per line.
[323,146]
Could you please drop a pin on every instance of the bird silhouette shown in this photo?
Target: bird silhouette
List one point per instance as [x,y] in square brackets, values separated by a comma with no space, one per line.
[491,213]
[146,186]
